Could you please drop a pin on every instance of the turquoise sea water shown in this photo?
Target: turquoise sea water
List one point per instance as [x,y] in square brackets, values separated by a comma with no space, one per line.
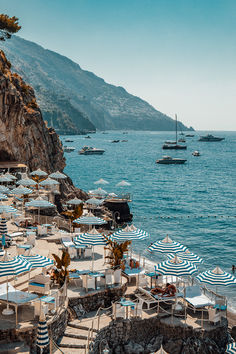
[193,203]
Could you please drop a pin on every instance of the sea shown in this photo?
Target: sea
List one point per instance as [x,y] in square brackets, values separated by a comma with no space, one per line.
[194,203]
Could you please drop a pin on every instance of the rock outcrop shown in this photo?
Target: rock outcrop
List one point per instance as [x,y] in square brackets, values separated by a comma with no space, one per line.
[24,136]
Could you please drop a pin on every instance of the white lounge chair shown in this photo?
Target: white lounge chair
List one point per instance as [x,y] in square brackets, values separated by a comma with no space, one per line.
[137,311]
[40,284]
[118,311]
[195,297]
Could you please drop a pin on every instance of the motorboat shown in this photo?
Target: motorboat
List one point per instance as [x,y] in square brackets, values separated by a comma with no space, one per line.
[189,135]
[167,160]
[115,141]
[87,137]
[69,148]
[172,145]
[69,141]
[210,137]
[87,150]
[181,140]
[196,153]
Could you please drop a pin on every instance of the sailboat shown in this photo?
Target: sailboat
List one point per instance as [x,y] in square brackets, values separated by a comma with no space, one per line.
[174,145]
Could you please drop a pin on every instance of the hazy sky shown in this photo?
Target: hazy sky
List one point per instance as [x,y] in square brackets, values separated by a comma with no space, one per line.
[179,55]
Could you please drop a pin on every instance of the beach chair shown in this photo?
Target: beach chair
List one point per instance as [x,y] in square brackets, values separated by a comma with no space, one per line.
[214,316]
[146,297]
[195,297]
[137,311]
[118,311]
[40,284]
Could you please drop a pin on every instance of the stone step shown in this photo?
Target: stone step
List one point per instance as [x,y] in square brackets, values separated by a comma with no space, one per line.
[14,347]
[78,326]
[76,336]
[69,342]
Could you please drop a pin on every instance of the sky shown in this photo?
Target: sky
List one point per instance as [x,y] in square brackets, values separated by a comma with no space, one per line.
[179,55]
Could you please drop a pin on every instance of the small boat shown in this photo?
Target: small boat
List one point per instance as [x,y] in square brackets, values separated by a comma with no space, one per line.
[69,141]
[189,135]
[87,150]
[115,141]
[196,153]
[124,141]
[181,140]
[170,142]
[172,145]
[210,137]
[87,137]
[167,160]
[69,148]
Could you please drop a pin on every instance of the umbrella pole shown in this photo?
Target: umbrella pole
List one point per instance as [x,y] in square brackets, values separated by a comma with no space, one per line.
[7,311]
[38,215]
[93,259]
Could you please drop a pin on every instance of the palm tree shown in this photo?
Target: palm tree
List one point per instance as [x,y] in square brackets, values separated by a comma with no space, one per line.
[74,214]
[61,274]
[116,252]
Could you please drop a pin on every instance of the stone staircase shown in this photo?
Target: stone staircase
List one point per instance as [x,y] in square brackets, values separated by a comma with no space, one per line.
[75,337]
[13,347]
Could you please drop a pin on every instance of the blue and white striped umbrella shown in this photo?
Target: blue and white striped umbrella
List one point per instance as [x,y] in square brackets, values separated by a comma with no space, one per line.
[12,177]
[99,192]
[92,238]
[176,267]
[4,178]
[15,266]
[186,256]
[38,261]
[167,246]
[57,175]
[20,190]
[216,277]
[90,220]
[42,334]
[101,181]
[40,203]
[3,226]
[39,173]
[231,348]
[7,209]
[129,233]
[3,197]
[26,182]
[94,201]
[49,182]
[74,201]
[4,190]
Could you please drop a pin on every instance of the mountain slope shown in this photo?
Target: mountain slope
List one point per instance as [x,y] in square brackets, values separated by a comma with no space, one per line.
[105,106]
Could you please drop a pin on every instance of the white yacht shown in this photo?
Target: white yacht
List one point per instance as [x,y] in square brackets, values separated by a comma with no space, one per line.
[87,150]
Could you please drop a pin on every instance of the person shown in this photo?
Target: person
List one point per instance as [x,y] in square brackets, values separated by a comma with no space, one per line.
[169,290]
[233,268]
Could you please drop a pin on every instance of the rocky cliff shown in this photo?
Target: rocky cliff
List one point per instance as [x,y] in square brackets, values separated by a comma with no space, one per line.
[95,102]
[24,135]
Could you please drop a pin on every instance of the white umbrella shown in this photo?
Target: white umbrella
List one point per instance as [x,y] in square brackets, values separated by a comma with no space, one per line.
[9,175]
[166,246]
[20,190]
[4,190]
[3,197]
[74,201]
[39,173]
[101,181]
[40,203]
[217,277]
[94,201]
[186,256]
[176,267]
[99,192]
[49,182]
[26,182]
[57,175]
[4,178]
[123,184]
[129,233]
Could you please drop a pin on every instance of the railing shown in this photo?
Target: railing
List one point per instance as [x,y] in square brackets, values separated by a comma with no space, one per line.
[53,347]
[44,219]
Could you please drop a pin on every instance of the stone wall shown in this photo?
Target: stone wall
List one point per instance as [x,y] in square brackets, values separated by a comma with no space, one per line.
[146,336]
[92,302]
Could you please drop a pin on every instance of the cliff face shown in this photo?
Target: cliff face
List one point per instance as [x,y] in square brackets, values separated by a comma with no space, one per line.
[24,136]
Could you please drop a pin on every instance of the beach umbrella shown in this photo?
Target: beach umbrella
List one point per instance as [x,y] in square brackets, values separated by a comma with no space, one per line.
[91,238]
[42,340]
[3,231]
[40,203]
[9,175]
[7,209]
[49,182]
[4,190]
[99,192]
[3,197]
[186,256]
[57,175]
[112,195]
[176,267]
[166,246]
[101,181]
[216,277]
[5,179]
[39,173]
[94,201]
[231,348]
[129,233]
[161,351]
[12,267]
[21,190]
[90,219]
[26,182]
[74,201]
[38,261]
[123,184]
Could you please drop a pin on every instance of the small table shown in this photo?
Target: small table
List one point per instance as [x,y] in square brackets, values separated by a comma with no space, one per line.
[127,303]
[96,275]
[152,275]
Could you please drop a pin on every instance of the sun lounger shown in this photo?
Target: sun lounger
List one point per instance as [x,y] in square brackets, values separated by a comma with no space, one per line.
[15,297]
[145,296]
[40,284]
[195,297]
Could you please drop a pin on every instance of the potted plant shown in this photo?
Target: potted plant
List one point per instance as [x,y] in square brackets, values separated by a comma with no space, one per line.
[61,273]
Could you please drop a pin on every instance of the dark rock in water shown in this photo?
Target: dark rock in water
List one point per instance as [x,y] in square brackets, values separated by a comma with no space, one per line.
[120,210]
